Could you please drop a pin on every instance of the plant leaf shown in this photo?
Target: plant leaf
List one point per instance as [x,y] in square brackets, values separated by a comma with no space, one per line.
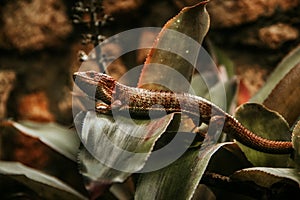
[280,93]
[266,177]
[178,180]
[117,146]
[198,85]
[61,139]
[217,92]
[175,51]
[288,63]
[232,159]
[284,98]
[267,124]
[222,59]
[296,144]
[46,186]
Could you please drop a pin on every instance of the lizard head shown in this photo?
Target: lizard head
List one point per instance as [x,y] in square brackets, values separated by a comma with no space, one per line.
[96,85]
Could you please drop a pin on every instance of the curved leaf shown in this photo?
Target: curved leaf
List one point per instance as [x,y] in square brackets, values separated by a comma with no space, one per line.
[296,143]
[216,93]
[61,139]
[284,98]
[228,160]
[267,124]
[116,147]
[266,177]
[280,93]
[285,66]
[175,51]
[222,59]
[178,180]
[46,186]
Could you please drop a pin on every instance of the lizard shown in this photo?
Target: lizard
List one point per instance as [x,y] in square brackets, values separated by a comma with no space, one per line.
[138,102]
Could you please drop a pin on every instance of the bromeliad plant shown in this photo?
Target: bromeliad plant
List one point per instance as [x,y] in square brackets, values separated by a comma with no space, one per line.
[208,166]
[216,168]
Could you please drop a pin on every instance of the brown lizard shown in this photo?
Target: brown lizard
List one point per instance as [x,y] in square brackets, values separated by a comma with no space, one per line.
[138,102]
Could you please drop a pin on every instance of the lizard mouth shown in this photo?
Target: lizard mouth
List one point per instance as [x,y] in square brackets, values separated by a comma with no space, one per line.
[86,83]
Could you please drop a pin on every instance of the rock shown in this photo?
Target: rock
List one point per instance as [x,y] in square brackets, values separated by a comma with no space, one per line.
[228,13]
[112,7]
[34,25]
[7,79]
[275,35]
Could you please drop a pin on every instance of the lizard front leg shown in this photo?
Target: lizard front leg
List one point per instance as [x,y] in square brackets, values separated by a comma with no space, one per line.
[108,109]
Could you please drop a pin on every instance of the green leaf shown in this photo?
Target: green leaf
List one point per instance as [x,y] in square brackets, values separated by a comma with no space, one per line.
[267,124]
[198,85]
[117,146]
[296,144]
[203,192]
[267,177]
[221,94]
[218,92]
[178,180]
[222,59]
[47,187]
[175,51]
[61,139]
[284,98]
[284,67]
[232,159]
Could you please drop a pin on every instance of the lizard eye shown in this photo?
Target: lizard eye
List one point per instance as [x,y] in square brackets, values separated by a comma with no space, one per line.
[91,74]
